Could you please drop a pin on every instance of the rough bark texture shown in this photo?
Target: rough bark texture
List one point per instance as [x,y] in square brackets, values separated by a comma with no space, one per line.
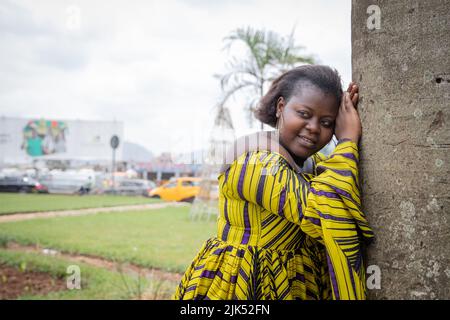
[403,69]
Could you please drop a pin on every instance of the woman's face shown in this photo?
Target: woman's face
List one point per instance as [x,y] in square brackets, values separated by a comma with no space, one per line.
[306,122]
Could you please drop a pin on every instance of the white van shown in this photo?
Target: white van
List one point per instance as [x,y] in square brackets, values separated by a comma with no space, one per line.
[68,182]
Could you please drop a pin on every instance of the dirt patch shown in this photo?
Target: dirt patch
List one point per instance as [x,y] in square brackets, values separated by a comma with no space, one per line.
[101,263]
[15,283]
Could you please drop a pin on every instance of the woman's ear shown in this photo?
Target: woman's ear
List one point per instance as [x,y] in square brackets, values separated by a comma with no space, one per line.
[280,106]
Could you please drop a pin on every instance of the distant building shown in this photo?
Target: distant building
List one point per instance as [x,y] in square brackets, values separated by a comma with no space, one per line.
[164,167]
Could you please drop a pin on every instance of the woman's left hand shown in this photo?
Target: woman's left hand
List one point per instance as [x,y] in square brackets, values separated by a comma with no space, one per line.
[353,89]
[348,123]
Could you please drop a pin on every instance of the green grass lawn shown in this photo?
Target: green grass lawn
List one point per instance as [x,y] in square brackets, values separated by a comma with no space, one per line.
[15,202]
[96,283]
[162,238]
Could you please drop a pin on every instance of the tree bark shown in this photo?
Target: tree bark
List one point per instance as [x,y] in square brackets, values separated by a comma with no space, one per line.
[403,69]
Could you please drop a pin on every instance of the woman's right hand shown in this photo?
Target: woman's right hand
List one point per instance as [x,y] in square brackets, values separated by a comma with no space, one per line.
[348,123]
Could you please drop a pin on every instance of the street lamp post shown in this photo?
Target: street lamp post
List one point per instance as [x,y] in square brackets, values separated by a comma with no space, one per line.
[114,144]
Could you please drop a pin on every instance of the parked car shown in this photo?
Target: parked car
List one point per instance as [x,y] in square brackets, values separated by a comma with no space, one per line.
[22,185]
[178,189]
[132,187]
[66,183]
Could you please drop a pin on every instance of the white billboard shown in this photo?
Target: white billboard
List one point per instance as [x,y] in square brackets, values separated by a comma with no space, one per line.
[25,139]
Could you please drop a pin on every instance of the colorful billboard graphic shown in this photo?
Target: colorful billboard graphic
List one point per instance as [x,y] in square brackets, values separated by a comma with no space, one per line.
[23,140]
[43,137]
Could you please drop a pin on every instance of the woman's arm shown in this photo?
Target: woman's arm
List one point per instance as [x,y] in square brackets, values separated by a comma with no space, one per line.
[265,178]
[333,215]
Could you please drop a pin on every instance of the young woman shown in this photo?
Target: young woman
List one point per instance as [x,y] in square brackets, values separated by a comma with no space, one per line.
[284,233]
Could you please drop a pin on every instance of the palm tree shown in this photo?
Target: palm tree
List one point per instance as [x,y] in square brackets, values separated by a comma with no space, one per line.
[268,55]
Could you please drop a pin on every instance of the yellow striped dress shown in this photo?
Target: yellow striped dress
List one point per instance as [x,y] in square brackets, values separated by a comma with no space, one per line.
[282,234]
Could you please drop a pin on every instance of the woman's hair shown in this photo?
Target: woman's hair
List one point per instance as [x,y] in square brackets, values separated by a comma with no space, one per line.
[290,82]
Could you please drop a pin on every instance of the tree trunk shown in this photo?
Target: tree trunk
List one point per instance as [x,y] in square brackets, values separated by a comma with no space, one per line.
[402,63]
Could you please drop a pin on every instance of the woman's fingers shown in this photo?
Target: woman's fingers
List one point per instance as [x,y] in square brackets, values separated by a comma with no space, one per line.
[352,90]
[345,101]
[350,86]
[350,102]
[355,100]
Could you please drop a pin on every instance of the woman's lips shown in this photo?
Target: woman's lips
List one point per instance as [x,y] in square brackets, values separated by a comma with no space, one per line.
[306,142]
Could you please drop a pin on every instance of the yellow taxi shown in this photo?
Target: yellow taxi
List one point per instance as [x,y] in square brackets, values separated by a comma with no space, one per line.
[178,189]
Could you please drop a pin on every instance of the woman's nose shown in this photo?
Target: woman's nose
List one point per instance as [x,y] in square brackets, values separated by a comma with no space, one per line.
[313,126]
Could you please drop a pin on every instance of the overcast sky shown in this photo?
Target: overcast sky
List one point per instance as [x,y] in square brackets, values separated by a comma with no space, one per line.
[147,63]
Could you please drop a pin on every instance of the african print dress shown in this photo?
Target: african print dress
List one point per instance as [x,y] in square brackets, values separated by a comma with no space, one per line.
[283,235]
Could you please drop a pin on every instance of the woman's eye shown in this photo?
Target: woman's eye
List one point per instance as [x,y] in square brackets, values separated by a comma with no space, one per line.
[327,124]
[303,113]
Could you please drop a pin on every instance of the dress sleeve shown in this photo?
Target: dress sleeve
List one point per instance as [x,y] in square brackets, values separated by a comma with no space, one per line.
[329,210]
[333,216]
[336,190]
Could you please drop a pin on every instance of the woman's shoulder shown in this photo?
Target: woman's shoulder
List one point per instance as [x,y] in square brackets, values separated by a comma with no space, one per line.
[259,142]
[260,157]
[262,148]
[254,161]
